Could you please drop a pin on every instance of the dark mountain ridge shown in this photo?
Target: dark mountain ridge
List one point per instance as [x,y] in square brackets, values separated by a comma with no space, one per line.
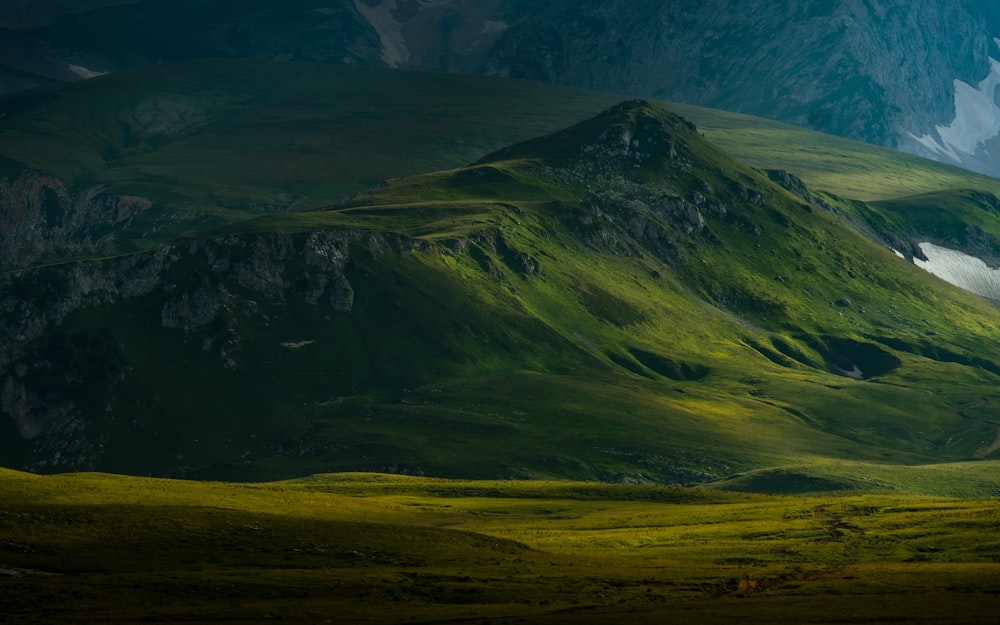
[882,72]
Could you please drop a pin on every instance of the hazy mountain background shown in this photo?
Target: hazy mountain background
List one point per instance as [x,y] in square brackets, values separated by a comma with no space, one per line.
[890,73]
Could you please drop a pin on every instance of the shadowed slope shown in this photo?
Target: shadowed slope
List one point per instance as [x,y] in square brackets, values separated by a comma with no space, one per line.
[620,301]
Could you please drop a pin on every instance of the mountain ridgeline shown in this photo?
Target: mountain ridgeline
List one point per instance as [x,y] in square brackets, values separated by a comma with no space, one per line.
[620,300]
[889,73]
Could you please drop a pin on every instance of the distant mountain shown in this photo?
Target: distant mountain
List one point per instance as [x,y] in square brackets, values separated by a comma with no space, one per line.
[104,39]
[599,292]
[26,14]
[916,76]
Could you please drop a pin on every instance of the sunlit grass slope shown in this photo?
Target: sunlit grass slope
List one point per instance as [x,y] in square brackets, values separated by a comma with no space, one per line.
[366,548]
[847,168]
[560,310]
[962,219]
[620,301]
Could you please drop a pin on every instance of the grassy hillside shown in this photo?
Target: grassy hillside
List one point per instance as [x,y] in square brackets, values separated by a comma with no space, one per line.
[602,308]
[835,165]
[386,549]
[572,307]
[257,136]
[655,312]
[216,141]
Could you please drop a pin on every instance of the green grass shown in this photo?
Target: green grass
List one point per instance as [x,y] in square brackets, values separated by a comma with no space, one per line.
[549,314]
[258,136]
[847,168]
[510,320]
[386,549]
[964,479]
[215,142]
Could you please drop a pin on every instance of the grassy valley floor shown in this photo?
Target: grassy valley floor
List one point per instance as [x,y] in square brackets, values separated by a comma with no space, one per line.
[367,548]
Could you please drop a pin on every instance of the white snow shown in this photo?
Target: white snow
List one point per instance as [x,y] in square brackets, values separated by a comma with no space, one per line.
[977,118]
[491,27]
[395,52]
[84,72]
[964,271]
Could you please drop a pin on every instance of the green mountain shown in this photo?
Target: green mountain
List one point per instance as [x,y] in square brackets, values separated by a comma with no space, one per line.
[616,300]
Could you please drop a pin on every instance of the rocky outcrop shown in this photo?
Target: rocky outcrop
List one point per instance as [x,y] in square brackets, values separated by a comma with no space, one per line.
[40,219]
[871,70]
[207,289]
[616,156]
[34,301]
[263,268]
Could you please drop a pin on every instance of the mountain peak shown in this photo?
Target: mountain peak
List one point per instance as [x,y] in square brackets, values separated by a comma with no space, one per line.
[632,133]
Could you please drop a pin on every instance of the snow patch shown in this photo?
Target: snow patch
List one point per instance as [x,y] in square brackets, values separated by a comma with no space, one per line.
[395,52]
[977,118]
[491,27]
[297,344]
[964,271]
[84,72]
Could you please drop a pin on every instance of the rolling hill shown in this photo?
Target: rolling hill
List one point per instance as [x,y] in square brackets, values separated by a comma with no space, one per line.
[192,294]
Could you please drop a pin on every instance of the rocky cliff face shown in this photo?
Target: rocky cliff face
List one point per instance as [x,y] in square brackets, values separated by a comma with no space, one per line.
[75,335]
[630,214]
[55,382]
[871,70]
[40,219]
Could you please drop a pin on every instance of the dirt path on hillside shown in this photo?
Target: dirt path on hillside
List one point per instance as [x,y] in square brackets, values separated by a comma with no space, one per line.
[834,523]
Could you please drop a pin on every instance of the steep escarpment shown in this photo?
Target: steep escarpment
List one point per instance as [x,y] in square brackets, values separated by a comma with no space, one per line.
[40,219]
[58,378]
[868,70]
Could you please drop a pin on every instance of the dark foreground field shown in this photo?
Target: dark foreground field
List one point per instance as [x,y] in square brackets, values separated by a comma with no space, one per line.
[363,548]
